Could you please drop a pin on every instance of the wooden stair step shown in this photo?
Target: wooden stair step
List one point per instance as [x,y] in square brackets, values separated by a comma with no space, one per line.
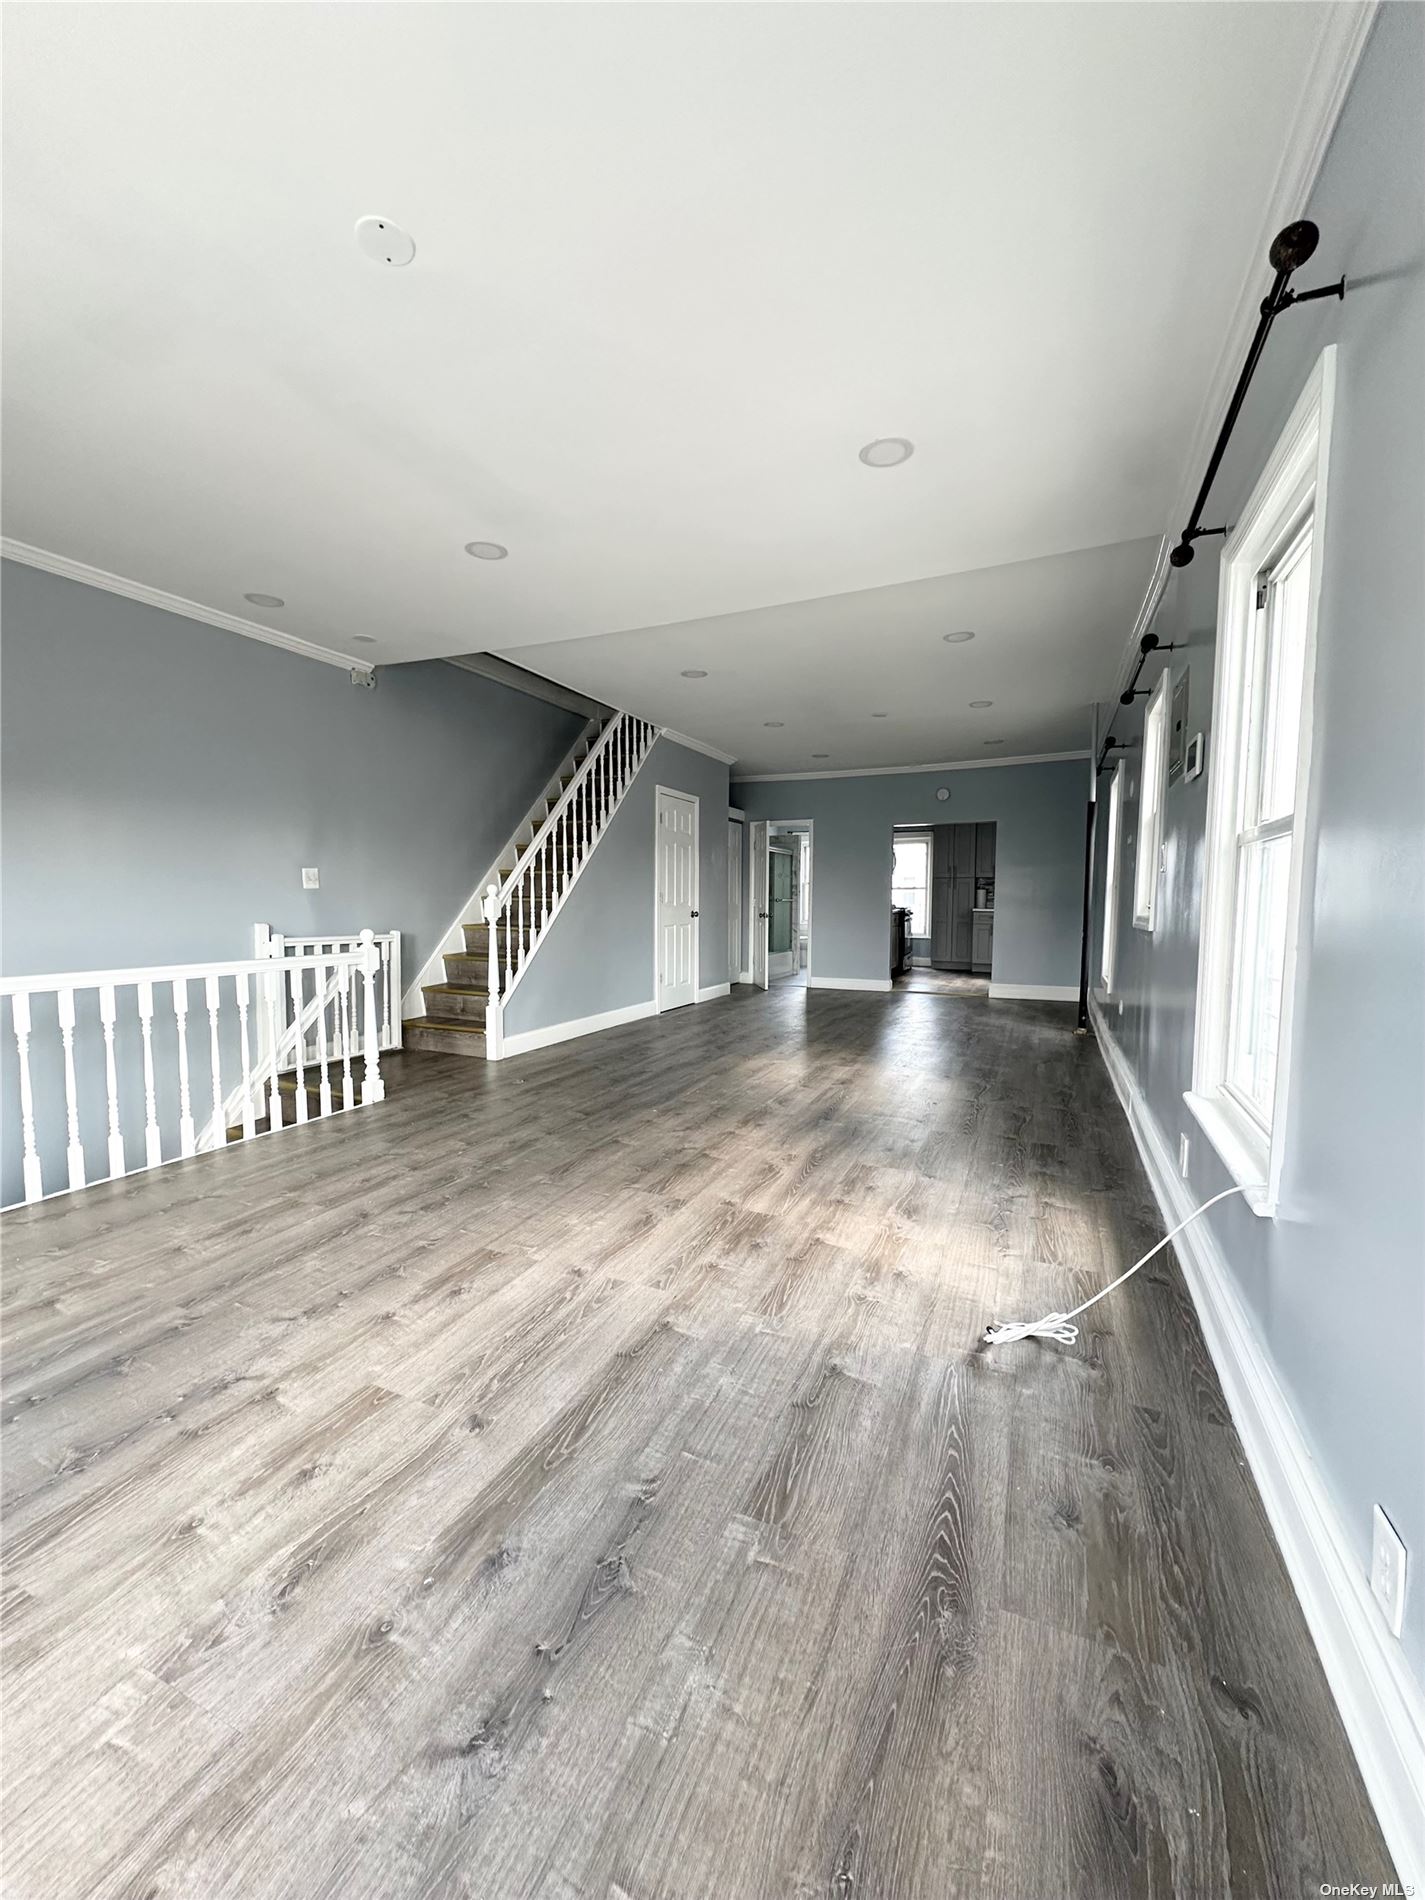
[424,1033]
[461,1001]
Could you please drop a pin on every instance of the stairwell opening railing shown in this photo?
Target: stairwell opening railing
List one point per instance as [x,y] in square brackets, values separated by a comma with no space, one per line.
[108,1068]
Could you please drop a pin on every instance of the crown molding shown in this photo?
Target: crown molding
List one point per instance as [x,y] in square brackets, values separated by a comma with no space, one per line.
[88,576]
[1345,28]
[698,745]
[888,771]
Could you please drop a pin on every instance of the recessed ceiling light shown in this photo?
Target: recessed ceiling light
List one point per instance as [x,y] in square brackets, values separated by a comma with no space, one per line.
[880,715]
[821,755]
[265,600]
[887,451]
[384,242]
[994,741]
[486,550]
[693,673]
[957,639]
[979,705]
[362,640]
[774,722]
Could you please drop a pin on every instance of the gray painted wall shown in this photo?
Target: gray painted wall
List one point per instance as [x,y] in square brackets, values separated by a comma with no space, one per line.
[1336,1284]
[598,955]
[165,781]
[1039,810]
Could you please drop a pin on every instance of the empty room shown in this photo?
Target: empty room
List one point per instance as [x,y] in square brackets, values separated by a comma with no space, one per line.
[712,950]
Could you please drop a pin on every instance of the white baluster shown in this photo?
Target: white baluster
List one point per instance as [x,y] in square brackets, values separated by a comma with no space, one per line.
[373,1089]
[299,1046]
[343,1025]
[20,1004]
[249,1113]
[152,1140]
[324,1094]
[274,994]
[71,1092]
[567,822]
[215,1061]
[386,1036]
[111,1080]
[186,1143]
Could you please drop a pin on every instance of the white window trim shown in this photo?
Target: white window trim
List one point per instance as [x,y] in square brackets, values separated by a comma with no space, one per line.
[1145,890]
[1293,480]
[1112,885]
[908,835]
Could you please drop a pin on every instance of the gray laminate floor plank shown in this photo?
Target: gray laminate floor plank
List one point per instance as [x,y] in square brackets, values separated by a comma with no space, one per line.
[580,1476]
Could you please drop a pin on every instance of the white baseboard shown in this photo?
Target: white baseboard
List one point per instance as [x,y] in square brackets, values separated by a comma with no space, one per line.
[713,991]
[1035,992]
[1381,1703]
[524,1040]
[848,982]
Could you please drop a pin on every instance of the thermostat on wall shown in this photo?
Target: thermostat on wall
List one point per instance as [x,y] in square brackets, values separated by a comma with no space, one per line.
[1194,756]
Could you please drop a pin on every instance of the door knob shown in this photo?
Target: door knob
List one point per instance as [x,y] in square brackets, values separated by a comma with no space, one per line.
[692,913]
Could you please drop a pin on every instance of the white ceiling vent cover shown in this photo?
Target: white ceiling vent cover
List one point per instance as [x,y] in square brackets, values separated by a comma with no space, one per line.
[384,242]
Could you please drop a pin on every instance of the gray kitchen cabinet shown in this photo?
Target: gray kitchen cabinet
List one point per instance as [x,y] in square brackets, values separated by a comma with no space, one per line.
[984,851]
[982,934]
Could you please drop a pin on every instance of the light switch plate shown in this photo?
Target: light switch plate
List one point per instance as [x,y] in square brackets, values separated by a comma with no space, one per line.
[311,878]
[1388,1570]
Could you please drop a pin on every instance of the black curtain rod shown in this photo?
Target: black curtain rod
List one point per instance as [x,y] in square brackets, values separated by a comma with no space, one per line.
[1290,249]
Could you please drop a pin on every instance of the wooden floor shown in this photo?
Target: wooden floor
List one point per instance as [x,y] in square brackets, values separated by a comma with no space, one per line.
[579,1477]
[919,980]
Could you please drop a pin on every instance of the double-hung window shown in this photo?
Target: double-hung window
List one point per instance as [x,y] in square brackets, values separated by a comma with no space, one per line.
[910,879]
[1110,876]
[1252,895]
[1150,805]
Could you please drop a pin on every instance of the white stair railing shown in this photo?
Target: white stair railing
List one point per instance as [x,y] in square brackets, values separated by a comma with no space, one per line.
[272,943]
[107,1053]
[520,910]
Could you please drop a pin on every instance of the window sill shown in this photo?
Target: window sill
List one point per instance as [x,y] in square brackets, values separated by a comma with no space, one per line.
[1242,1149]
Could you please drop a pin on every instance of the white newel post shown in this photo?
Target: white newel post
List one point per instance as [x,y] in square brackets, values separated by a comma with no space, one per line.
[490,904]
[373,1089]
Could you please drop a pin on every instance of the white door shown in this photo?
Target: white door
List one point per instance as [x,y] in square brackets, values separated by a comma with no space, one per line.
[734,901]
[757,842]
[677,899]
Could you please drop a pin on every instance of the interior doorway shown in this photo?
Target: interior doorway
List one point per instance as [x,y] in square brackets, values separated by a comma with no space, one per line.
[942,908]
[676,910]
[780,905]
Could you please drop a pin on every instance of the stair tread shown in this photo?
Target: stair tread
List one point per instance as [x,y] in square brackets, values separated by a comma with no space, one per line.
[463,1025]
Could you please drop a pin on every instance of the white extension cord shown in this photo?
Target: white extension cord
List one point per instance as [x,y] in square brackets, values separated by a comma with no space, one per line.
[1057,1325]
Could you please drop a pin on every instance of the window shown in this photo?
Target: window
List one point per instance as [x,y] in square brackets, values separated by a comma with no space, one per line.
[1261,757]
[1110,876]
[1150,805]
[910,880]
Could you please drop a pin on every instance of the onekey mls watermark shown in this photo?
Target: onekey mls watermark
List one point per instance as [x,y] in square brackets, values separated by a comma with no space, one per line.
[1365,1890]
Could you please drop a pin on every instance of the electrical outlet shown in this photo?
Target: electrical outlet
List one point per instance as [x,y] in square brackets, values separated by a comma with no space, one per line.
[1184,1148]
[1388,1570]
[311,878]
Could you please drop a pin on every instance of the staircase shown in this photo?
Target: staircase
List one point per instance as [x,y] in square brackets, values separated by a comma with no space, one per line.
[525,891]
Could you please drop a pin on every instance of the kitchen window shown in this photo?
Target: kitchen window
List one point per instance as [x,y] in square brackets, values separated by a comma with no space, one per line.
[1261,729]
[910,880]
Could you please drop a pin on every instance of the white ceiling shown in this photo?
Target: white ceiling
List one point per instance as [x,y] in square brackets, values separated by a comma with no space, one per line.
[826,668]
[674,266]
